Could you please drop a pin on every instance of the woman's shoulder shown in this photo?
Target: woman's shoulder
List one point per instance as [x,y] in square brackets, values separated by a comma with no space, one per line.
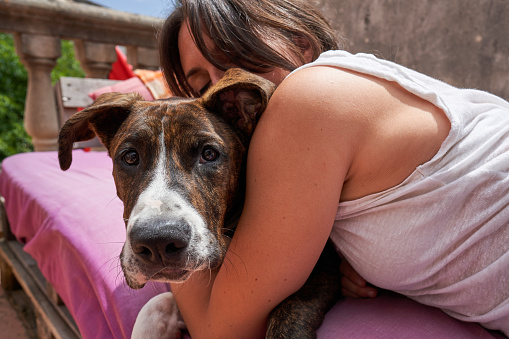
[336,94]
[375,122]
[357,99]
[320,95]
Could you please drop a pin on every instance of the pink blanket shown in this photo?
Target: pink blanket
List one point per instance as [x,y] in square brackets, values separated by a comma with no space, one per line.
[71,223]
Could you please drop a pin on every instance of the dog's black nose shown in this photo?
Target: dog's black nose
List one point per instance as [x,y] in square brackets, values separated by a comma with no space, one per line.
[160,241]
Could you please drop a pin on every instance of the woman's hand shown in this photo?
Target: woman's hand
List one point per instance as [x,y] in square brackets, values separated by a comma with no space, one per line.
[353,285]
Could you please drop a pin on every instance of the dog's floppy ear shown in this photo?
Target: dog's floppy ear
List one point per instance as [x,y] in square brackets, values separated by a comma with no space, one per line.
[103,118]
[240,97]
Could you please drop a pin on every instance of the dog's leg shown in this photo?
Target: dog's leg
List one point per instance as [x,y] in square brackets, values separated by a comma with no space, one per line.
[159,318]
[301,314]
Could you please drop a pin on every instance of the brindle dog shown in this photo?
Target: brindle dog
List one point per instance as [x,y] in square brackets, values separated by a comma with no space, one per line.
[178,166]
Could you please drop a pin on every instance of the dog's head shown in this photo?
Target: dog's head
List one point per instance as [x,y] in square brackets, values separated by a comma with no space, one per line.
[177,166]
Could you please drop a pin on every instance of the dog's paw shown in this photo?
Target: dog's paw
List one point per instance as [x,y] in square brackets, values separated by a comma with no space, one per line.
[159,318]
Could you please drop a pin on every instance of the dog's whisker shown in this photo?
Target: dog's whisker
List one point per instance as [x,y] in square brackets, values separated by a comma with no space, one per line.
[112,264]
[228,265]
[226,232]
[108,204]
[123,282]
[210,274]
[231,262]
[156,287]
[227,236]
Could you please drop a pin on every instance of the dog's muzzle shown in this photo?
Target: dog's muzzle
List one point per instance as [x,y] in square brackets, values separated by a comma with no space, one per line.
[167,240]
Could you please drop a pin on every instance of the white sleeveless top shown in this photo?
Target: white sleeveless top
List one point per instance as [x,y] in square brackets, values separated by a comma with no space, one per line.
[442,236]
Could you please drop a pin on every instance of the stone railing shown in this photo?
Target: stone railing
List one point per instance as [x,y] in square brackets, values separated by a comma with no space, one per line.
[463,42]
[38,26]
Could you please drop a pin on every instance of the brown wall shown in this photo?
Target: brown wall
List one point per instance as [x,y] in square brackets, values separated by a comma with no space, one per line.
[462,42]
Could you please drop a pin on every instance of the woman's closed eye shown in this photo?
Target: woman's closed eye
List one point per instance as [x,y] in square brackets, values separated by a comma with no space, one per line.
[205,88]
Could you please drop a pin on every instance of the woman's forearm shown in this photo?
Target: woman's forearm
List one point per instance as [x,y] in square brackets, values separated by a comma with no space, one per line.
[194,298]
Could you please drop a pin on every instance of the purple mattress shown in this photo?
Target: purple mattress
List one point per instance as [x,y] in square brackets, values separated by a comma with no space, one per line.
[71,224]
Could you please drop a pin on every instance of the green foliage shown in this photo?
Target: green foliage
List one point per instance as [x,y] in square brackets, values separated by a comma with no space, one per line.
[67,65]
[13,84]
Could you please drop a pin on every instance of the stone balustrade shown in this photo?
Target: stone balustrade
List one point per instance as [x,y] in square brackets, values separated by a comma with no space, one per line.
[38,26]
[463,42]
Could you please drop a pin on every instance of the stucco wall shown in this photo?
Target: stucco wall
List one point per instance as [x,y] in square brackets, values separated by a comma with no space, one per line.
[462,42]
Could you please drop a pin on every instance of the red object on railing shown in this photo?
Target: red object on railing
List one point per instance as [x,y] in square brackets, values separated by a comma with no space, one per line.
[121,70]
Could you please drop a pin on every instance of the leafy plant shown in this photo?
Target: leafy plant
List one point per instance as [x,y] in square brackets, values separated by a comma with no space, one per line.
[13,82]
[67,65]
[13,86]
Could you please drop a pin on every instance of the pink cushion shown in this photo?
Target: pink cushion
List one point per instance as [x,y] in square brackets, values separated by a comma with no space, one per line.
[394,316]
[72,225]
[132,85]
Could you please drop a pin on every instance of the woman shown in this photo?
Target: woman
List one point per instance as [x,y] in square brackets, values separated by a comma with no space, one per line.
[419,170]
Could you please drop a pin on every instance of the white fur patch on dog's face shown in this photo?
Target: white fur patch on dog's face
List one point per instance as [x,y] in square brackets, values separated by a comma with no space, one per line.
[158,201]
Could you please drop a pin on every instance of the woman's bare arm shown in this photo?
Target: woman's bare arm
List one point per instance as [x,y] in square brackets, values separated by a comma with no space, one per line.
[294,180]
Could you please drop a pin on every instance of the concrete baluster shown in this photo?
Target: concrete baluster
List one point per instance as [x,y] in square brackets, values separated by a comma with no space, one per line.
[39,54]
[143,57]
[95,58]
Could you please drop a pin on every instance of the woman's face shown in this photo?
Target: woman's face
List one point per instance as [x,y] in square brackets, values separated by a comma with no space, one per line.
[200,73]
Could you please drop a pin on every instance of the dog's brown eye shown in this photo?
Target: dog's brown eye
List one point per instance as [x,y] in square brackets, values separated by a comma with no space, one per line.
[131,158]
[209,154]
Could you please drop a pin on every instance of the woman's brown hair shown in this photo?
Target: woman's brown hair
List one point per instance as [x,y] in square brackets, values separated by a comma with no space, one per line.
[243,30]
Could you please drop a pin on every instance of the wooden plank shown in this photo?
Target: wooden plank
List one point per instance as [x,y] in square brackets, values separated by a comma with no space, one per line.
[7,279]
[32,268]
[72,94]
[24,308]
[5,230]
[53,295]
[74,91]
[46,312]
[42,329]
